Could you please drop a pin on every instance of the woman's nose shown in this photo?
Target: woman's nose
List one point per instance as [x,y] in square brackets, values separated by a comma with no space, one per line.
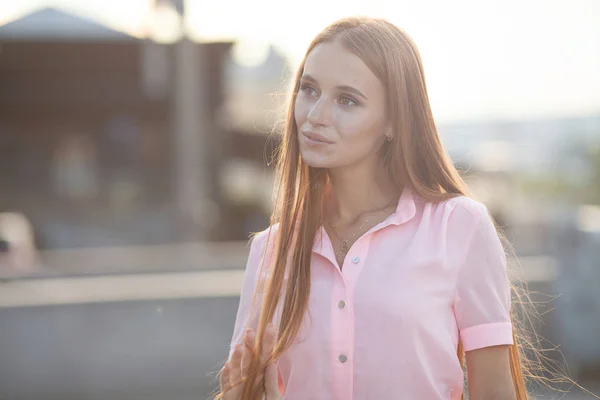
[319,113]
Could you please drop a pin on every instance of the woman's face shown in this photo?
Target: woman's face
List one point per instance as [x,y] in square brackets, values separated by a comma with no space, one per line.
[339,110]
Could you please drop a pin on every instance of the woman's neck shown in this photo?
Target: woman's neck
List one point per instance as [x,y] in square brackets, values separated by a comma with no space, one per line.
[356,191]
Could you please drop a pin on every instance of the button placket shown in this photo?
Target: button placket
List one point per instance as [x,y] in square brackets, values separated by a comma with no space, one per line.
[342,339]
[356,258]
[342,323]
[343,334]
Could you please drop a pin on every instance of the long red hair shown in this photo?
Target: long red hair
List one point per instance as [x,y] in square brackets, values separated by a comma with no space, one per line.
[415,158]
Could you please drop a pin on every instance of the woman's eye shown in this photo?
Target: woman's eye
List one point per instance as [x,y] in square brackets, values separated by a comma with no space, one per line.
[309,90]
[347,101]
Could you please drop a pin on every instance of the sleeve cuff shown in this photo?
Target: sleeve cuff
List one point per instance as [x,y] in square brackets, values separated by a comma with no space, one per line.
[480,336]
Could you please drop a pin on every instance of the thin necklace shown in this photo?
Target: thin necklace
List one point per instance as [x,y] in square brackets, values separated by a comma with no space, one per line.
[344,248]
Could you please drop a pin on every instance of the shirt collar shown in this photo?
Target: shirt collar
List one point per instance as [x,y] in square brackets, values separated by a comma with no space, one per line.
[405,211]
[406,208]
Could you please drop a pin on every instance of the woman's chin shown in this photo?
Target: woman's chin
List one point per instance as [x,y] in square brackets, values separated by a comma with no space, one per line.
[314,160]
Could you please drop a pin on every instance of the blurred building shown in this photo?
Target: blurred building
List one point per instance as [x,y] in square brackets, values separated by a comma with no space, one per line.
[109,139]
[87,135]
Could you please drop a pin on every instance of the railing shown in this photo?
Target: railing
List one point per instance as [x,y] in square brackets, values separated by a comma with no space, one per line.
[192,270]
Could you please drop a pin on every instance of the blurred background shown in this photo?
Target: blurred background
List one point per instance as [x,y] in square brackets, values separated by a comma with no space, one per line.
[134,149]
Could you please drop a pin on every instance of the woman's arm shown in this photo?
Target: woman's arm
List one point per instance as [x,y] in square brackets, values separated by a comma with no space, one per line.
[489,376]
[243,318]
[482,305]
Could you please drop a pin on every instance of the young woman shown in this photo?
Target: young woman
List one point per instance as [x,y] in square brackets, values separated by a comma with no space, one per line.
[379,271]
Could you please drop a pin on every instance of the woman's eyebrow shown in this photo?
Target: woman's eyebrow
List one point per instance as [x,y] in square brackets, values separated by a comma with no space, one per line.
[352,90]
[346,88]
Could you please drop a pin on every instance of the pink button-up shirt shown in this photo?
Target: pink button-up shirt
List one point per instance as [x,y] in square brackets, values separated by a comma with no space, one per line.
[387,325]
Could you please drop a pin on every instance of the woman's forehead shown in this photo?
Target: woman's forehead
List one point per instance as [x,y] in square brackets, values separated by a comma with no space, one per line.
[331,64]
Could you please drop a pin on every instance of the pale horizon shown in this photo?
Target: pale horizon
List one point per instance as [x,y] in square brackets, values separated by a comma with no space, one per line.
[506,59]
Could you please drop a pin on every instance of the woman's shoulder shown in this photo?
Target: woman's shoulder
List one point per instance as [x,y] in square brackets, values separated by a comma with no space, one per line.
[259,239]
[458,209]
[466,204]
[466,215]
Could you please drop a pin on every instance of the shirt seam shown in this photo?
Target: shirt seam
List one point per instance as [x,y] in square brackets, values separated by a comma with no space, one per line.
[487,324]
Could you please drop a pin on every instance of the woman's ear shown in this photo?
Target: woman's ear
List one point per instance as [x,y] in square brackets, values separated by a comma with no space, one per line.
[389,131]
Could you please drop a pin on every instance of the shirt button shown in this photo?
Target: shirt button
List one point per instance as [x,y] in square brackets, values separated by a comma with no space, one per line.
[342,358]
[356,260]
[341,304]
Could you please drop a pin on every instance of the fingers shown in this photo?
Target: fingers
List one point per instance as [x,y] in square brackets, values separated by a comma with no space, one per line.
[224,378]
[232,373]
[271,373]
[235,375]
[236,369]
[269,340]
[272,382]
[249,339]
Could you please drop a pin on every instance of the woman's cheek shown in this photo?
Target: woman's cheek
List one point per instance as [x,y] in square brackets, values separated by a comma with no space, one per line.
[300,112]
[347,124]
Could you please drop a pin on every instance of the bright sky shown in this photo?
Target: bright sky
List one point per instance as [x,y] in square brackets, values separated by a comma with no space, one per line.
[492,58]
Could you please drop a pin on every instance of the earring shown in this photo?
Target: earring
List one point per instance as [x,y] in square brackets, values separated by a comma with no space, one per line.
[390,138]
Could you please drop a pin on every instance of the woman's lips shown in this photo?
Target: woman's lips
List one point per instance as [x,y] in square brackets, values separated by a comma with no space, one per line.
[315,138]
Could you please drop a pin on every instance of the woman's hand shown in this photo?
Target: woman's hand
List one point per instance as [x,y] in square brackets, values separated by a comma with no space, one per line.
[235,371]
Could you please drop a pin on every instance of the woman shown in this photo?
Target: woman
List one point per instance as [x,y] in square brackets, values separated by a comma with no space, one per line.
[379,271]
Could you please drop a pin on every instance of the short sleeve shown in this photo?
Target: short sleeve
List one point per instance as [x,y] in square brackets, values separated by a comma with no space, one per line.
[243,318]
[482,298]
